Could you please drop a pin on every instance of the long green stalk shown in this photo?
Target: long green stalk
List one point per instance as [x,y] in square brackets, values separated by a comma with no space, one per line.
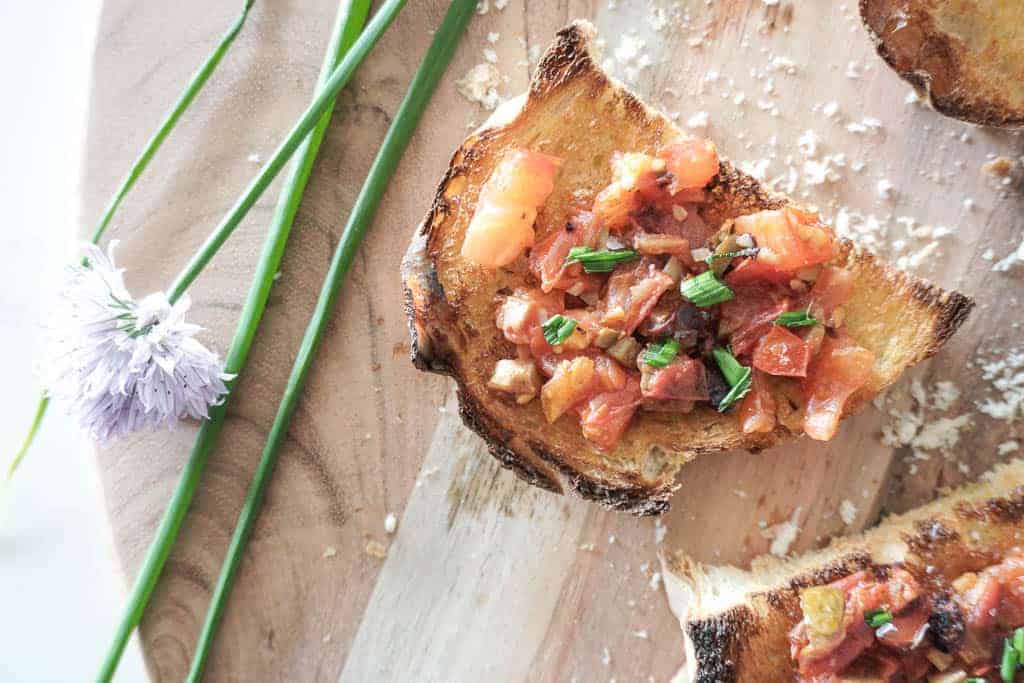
[422,87]
[195,84]
[351,17]
[321,102]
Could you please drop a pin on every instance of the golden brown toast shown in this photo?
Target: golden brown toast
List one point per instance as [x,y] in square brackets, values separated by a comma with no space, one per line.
[736,623]
[575,111]
[966,57]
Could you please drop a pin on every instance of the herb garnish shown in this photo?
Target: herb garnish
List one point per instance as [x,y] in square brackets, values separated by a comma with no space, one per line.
[557,329]
[603,261]
[705,290]
[660,355]
[738,377]
[878,617]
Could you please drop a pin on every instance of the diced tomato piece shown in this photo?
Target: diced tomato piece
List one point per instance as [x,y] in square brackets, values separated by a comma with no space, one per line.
[757,410]
[574,381]
[751,271]
[780,352]
[522,178]
[612,375]
[684,379]
[547,258]
[633,292]
[840,369]
[502,226]
[693,162]
[662,221]
[750,315]
[908,625]
[788,239]
[985,608]
[521,314]
[604,417]
[831,290]
[631,171]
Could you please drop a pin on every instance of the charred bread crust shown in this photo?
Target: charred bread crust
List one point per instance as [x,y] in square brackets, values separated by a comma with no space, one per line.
[955,81]
[747,639]
[450,335]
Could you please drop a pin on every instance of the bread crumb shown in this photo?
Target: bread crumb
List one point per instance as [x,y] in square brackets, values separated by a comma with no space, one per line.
[1013,260]
[848,512]
[1010,446]
[375,548]
[326,638]
[999,167]
[659,532]
[698,121]
[329,552]
[655,583]
[480,85]
[783,534]
[642,634]
[390,523]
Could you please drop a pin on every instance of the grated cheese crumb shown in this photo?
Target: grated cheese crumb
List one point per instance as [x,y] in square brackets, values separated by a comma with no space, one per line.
[480,85]
[390,523]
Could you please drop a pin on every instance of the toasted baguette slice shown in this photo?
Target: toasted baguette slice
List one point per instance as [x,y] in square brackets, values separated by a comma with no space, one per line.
[736,623]
[966,57]
[577,112]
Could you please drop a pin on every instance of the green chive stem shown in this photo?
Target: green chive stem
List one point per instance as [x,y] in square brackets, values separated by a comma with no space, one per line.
[323,101]
[406,119]
[252,311]
[349,22]
[1010,662]
[192,89]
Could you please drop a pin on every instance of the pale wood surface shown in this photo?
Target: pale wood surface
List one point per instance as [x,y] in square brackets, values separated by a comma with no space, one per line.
[485,579]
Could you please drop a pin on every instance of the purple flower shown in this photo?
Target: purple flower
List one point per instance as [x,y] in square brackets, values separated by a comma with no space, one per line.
[122,365]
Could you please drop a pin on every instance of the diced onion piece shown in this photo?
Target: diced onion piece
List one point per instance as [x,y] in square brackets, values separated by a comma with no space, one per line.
[518,377]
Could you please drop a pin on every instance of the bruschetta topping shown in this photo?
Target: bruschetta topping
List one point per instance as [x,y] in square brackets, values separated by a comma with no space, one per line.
[692,313]
[502,226]
[884,625]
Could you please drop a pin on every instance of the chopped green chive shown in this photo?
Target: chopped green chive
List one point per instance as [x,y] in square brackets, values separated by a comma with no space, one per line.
[749,251]
[557,329]
[1011,660]
[660,355]
[603,261]
[796,319]
[1018,642]
[735,374]
[878,617]
[975,679]
[705,290]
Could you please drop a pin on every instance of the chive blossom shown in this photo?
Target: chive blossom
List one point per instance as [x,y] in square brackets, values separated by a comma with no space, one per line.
[660,355]
[878,617]
[738,377]
[796,319]
[705,290]
[603,261]
[557,329]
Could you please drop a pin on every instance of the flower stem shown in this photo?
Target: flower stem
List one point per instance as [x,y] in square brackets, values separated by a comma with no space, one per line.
[354,13]
[409,113]
[196,84]
[323,100]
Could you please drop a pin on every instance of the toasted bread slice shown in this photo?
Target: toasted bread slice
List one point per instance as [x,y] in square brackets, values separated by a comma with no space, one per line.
[966,57]
[577,112]
[736,623]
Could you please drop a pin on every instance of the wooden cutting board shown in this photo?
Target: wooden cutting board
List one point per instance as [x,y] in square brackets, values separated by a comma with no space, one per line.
[486,578]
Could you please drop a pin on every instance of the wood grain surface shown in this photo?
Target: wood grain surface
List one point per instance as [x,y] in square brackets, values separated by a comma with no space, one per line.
[485,578]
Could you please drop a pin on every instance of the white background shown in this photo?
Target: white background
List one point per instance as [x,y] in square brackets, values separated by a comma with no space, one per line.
[60,590]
